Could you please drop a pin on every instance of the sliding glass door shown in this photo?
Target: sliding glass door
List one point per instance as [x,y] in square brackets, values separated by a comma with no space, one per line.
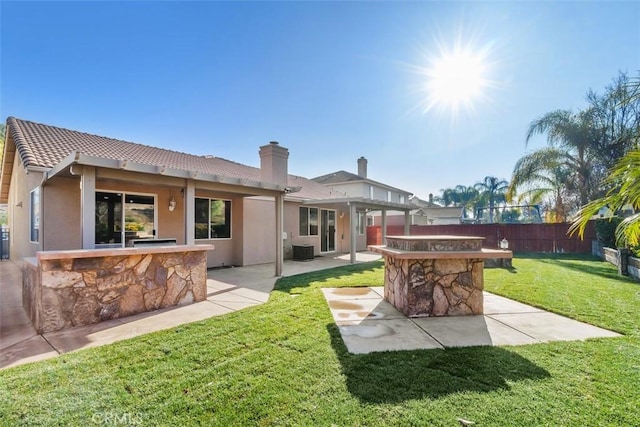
[122,217]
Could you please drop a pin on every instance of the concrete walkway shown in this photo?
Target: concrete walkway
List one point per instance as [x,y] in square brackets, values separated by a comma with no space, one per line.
[228,289]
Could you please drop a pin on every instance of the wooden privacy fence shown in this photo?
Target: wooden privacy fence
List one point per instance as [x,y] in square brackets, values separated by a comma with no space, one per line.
[521,237]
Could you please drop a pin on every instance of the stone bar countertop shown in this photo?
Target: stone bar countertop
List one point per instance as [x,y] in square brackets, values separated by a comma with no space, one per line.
[92,253]
[404,254]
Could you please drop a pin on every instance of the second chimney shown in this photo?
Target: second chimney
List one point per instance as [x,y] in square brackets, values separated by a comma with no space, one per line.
[362,167]
[274,163]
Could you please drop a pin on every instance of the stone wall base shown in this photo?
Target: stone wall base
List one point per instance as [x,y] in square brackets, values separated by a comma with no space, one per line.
[60,293]
[440,287]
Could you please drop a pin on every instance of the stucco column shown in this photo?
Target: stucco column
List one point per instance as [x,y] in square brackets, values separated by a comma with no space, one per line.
[88,206]
[190,212]
[384,226]
[407,223]
[353,225]
[279,229]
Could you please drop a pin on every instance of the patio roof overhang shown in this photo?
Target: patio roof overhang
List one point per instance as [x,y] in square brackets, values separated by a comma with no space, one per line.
[362,202]
[245,186]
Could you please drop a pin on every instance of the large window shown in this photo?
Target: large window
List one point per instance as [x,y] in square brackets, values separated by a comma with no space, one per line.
[213,219]
[308,221]
[34,215]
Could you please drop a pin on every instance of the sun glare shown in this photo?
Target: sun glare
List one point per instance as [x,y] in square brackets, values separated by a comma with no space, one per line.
[456,79]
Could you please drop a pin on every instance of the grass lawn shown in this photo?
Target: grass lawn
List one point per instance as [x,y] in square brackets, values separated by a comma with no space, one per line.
[284,363]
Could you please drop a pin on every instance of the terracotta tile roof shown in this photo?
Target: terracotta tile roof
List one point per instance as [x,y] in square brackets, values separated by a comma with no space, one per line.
[45,146]
[338,177]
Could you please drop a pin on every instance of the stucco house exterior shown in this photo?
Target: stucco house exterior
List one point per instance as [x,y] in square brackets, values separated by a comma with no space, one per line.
[382,199]
[72,190]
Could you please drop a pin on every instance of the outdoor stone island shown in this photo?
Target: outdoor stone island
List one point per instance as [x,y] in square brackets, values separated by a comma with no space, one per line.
[435,275]
[63,289]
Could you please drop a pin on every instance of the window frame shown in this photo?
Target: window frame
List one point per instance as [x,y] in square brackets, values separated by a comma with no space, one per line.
[228,203]
[34,215]
[361,222]
[308,224]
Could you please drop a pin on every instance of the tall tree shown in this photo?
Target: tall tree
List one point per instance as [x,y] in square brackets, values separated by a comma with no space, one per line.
[467,196]
[615,117]
[492,190]
[543,177]
[624,186]
[573,136]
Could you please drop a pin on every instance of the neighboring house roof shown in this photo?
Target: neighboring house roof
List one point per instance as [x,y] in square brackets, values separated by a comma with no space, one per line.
[442,213]
[45,146]
[342,177]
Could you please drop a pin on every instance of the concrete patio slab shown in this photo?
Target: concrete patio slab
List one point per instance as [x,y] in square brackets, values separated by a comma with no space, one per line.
[505,322]
[469,331]
[545,326]
[32,349]
[494,304]
[332,294]
[388,335]
[351,312]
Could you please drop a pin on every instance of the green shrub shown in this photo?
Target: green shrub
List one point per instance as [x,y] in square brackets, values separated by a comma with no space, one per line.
[606,231]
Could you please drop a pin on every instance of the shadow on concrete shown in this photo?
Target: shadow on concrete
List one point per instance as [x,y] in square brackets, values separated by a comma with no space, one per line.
[398,376]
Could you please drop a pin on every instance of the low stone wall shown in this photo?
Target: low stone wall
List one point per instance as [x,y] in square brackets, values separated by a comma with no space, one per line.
[71,288]
[434,287]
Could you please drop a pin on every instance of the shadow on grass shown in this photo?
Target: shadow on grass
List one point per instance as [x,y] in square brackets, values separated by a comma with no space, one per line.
[583,263]
[302,280]
[398,376]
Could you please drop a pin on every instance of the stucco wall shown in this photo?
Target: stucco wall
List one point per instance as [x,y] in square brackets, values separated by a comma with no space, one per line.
[259,240]
[62,227]
[18,211]
[228,251]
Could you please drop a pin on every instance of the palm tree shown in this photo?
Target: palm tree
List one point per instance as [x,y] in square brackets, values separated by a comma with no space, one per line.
[541,175]
[448,197]
[574,137]
[467,196]
[492,190]
[625,190]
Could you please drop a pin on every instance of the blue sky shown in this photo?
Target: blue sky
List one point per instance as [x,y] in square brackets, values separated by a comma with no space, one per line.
[331,81]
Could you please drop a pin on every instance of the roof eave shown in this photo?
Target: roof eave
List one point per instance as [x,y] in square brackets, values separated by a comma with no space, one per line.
[76,158]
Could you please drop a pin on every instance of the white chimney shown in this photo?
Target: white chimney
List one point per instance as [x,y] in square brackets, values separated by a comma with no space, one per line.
[362,167]
[274,163]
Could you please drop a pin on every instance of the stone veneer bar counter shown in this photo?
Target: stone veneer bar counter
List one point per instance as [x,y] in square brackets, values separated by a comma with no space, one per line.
[63,289]
[435,275]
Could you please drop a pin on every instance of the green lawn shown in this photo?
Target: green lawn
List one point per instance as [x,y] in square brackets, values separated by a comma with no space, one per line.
[284,363]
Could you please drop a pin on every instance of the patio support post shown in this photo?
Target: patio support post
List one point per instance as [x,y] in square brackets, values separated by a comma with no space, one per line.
[353,224]
[407,223]
[88,199]
[279,229]
[384,226]
[190,212]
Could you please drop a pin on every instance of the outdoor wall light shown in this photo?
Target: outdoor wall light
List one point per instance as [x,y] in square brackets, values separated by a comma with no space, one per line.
[504,244]
[172,204]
